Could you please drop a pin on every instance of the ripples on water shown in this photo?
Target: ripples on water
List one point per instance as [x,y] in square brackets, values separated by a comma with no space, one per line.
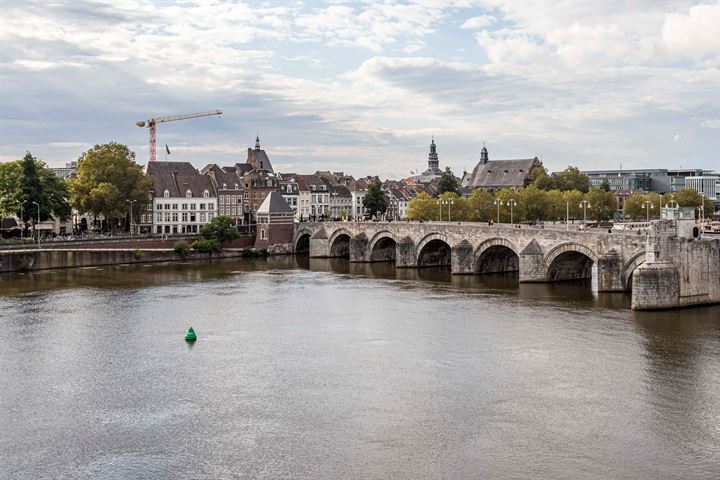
[326,369]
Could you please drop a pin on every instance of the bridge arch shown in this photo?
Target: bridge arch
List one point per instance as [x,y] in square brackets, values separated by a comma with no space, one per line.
[302,240]
[433,250]
[382,246]
[630,266]
[339,243]
[569,261]
[496,255]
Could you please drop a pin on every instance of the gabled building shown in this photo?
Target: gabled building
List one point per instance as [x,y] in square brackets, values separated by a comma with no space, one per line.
[182,200]
[258,159]
[290,192]
[230,191]
[275,221]
[496,174]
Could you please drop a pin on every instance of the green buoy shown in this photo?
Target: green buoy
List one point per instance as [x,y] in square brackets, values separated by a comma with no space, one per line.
[190,335]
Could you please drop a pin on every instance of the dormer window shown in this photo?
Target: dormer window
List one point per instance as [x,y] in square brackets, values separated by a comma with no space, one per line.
[188,194]
[224,186]
[269,183]
[236,186]
[206,194]
[166,194]
[312,187]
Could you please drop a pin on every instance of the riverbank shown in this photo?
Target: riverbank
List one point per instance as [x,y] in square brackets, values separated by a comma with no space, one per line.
[46,259]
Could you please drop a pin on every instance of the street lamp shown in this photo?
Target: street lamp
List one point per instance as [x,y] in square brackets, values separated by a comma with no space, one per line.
[512,203]
[440,204]
[448,203]
[585,205]
[35,224]
[498,202]
[647,205]
[131,215]
[567,215]
[22,218]
[672,203]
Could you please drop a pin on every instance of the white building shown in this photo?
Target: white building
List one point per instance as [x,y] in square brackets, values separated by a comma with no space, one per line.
[183,200]
[705,185]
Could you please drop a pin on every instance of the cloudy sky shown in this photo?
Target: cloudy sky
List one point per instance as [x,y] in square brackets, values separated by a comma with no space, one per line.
[362,86]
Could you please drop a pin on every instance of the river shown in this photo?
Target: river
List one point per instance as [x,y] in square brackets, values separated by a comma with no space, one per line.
[320,369]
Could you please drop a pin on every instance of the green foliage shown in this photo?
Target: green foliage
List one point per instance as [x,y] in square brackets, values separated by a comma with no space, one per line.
[220,228]
[480,206]
[602,205]
[569,179]
[137,254]
[107,176]
[423,207]
[343,213]
[375,201]
[448,182]
[206,245]
[688,197]
[181,249]
[605,185]
[633,206]
[254,252]
[31,181]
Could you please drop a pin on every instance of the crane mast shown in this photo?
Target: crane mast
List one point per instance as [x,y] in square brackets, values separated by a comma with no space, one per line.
[151,125]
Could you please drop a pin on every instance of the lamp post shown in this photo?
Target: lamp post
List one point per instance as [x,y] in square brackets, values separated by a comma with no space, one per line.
[671,203]
[35,224]
[440,204]
[567,215]
[585,204]
[22,217]
[512,203]
[448,203]
[647,205]
[131,215]
[498,202]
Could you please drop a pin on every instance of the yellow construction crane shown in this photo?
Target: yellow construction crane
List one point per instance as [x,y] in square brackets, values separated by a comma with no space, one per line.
[172,118]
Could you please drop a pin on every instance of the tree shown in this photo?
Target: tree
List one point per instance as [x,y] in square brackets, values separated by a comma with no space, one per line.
[480,206]
[571,179]
[603,204]
[535,204]
[605,185]
[556,206]
[689,197]
[375,201]
[459,209]
[504,195]
[220,228]
[572,204]
[107,177]
[30,180]
[540,178]
[633,206]
[423,207]
[448,182]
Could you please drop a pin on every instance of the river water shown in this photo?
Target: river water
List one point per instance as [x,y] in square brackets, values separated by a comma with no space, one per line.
[329,370]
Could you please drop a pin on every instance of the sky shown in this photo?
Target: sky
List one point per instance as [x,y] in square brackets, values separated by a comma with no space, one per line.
[362,87]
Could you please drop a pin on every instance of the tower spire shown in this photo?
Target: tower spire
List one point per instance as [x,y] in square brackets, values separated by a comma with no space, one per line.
[483,154]
[433,163]
[257,141]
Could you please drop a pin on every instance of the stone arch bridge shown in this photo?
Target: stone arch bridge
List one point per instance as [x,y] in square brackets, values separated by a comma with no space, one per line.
[538,255]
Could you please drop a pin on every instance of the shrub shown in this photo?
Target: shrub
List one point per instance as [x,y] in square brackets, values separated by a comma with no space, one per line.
[182,249]
[206,246]
[137,254]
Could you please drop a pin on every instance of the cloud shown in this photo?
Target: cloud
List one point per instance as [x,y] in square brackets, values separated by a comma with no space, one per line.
[695,34]
[476,23]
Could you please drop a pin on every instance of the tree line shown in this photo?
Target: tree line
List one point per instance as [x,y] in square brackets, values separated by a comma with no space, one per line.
[532,204]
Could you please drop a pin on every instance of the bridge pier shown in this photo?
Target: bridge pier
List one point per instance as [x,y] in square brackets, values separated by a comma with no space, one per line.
[611,273]
[462,259]
[532,264]
[405,253]
[358,248]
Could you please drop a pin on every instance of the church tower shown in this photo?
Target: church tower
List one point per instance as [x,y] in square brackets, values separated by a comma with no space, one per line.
[433,162]
[483,155]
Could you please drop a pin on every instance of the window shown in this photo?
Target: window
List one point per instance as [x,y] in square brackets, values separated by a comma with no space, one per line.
[184,217]
[192,206]
[167,217]
[269,183]
[175,206]
[206,194]
[202,206]
[188,194]
[167,206]
[245,195]
[192,217]
[184,206]
[159,206]
[236,186]
[158,217]
[166,194]
[174,217]
[202,217]
[222,199]
[224,186]
[262,234]
[210,215]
